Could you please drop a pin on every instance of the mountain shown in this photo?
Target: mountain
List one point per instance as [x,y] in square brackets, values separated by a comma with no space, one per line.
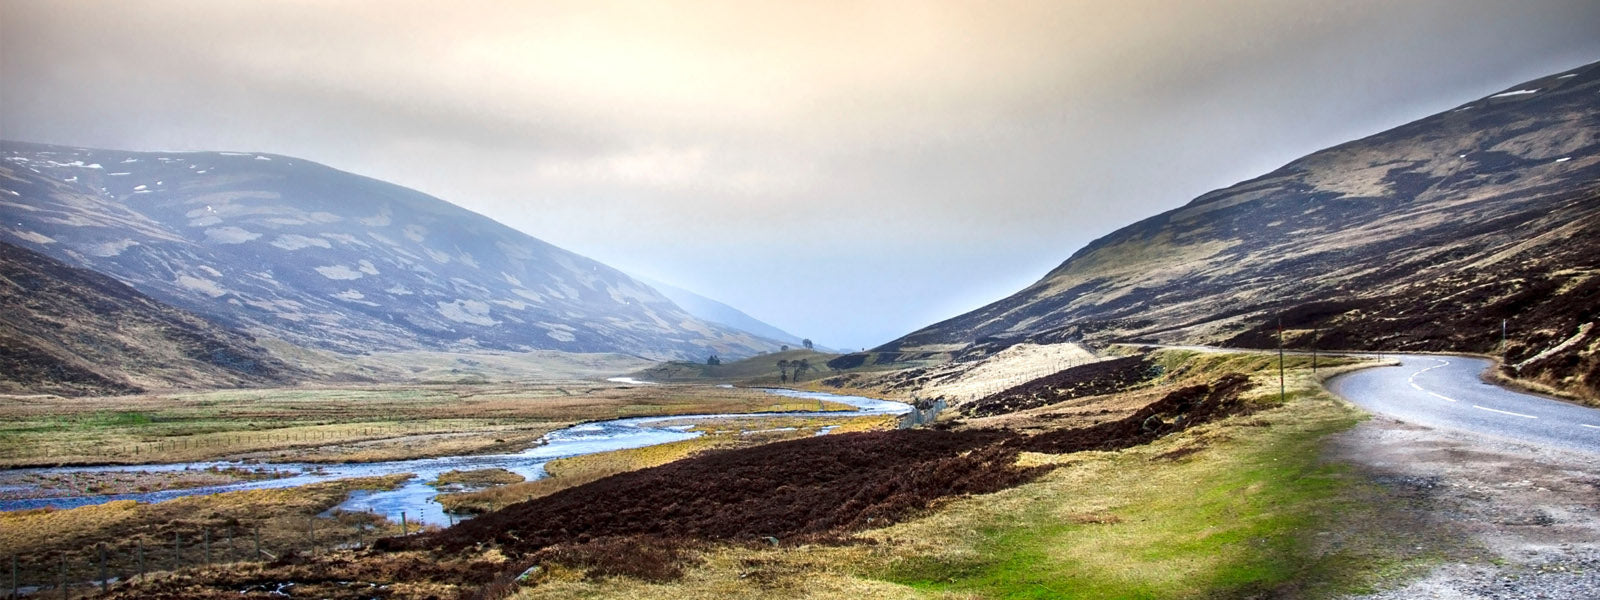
[717,312]
[1423,237]
[71,331]
[283,247]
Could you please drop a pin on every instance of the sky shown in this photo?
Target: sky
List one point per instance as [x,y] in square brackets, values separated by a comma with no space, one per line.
[846,171]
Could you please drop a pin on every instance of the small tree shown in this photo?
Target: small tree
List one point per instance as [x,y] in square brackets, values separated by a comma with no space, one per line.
[807,343]
[713,360]
[800,367]
[783,371]
[783,348]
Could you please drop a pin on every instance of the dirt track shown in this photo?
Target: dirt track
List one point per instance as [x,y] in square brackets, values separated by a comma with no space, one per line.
[1514,521]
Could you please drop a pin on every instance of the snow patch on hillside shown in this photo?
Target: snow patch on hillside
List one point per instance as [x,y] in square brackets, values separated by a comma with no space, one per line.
[204,286]
[339,272]
[467,311]
[32,236]
[1514,93]
[109,249]
[230,235]
[292,241]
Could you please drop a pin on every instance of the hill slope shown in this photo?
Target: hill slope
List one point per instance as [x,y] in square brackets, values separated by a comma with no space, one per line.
[288,248]
[717,312]
[70,331]
[1423,237]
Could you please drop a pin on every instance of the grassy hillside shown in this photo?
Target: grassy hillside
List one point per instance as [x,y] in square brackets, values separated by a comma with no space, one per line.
[71,331]
[759,369]
[1428,236]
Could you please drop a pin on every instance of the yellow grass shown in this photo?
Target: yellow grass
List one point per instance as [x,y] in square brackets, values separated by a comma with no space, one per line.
[336,424]
[476,477]
[285,519]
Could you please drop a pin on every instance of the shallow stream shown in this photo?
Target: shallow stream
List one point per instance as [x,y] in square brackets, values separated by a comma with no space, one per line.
[415,497]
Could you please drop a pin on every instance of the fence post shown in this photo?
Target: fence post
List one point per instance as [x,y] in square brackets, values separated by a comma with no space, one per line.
[402,522]
[101,548]
[311,529]
[257,533]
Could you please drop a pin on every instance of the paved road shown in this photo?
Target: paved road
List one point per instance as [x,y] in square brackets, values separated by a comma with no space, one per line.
[1445,392]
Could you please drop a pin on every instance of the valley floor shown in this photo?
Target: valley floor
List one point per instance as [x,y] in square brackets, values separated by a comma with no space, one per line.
[353,424]
[1224,496]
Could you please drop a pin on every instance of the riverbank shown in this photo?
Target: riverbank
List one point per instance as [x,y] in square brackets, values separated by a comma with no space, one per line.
[338,425]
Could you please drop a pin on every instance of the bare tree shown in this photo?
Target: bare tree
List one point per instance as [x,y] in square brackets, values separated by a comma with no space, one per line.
[807,343]
[800,367]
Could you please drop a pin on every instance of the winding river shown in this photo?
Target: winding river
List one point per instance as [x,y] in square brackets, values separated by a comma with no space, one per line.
[415,497]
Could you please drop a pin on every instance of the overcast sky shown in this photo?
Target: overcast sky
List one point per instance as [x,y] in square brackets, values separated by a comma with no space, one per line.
[847,171]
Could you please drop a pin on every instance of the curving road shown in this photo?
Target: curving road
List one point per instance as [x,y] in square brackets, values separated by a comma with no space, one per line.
[1446,392]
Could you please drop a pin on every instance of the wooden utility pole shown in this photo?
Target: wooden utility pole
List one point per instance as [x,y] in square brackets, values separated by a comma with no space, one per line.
[1282,387]
[1316,335]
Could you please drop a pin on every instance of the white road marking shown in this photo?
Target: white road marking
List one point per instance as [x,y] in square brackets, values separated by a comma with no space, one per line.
[1413,380]
[1589,426]
[1505,412]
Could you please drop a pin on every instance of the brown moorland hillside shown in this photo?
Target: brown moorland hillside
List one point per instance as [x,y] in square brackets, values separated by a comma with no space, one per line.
[70,331]
[1425,237]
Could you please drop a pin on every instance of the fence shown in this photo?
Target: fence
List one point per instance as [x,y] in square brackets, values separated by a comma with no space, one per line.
[68,573]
